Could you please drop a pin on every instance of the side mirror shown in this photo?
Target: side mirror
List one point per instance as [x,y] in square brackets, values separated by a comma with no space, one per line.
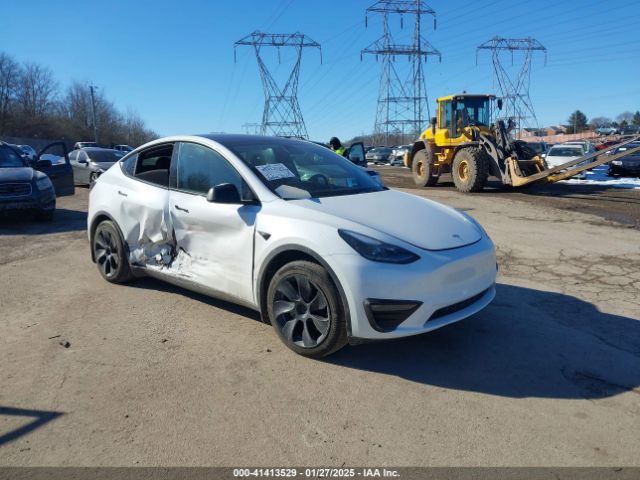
[434,120]
[499,104]
[42,164]
[224,193]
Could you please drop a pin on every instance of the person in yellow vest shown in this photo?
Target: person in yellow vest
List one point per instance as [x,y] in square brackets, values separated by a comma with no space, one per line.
[337,147]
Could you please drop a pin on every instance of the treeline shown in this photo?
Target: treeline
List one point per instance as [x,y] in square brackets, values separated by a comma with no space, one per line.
[32,105]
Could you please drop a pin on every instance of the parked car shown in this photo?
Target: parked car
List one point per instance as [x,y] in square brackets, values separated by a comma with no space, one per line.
[29,151]
[379,155]
[540,148]
[398,153]
[563,153]
[294,231]
[90,162]
[606,130]
[123,148]
[78,145]
[587,147]
[23,188]
[626,166]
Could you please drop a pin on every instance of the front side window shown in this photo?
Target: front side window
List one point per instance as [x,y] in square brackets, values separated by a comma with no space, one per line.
[201,168]
[445,115]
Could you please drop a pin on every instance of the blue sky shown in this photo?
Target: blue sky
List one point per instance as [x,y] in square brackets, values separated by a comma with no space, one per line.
[173,61]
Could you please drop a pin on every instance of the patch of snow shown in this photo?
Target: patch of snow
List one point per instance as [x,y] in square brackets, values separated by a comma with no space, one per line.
[598,176]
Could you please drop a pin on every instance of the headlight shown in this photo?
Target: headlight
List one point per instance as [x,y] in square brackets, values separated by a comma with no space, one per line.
[375,250]
[44,183]
[617,162]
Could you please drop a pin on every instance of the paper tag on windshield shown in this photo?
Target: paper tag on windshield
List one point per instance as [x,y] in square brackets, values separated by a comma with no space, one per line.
[275,171]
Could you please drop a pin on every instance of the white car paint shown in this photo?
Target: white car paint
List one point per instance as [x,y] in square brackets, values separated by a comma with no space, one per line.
[222,249]
[555,160]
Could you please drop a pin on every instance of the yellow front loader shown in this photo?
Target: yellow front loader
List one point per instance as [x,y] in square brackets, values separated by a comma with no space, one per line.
[464,141]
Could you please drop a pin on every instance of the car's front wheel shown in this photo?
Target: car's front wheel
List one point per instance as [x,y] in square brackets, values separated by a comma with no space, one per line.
[109,253]
[305,310]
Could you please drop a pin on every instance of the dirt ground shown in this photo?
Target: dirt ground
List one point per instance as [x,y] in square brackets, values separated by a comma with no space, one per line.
[548,374]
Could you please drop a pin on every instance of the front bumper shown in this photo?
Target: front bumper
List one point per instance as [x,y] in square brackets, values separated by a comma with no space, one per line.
[38,200]
[626,169]
[442,287]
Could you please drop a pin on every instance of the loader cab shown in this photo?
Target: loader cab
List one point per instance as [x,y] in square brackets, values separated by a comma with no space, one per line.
[459,111]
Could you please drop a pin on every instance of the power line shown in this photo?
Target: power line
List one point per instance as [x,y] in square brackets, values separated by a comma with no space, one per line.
[401,100]
[514,90]
[282,115]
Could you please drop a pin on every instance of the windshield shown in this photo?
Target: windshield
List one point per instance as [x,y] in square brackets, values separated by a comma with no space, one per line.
[382,150]
[10,159]
[565,151]
[298,169]
[536,146]
[105,156]
[472,111]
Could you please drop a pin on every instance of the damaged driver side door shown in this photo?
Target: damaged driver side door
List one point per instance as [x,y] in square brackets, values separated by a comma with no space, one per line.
[214,240]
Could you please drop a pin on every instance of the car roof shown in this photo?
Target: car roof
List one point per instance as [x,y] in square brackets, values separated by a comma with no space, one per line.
[97,149]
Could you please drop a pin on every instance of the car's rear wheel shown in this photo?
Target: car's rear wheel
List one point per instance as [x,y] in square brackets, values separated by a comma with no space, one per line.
[93,177]
[305,310]
[109,253]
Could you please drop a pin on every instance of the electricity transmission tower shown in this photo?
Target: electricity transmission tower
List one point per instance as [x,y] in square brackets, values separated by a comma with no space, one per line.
[252,128]
[281,115]
[402,98]
[514,89]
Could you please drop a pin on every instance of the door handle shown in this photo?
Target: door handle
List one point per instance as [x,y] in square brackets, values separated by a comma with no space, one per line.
[181,209]
[122,193]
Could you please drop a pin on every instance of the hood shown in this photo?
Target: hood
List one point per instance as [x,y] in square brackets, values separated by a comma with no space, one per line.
[19,174]
[415,220]
[556,161]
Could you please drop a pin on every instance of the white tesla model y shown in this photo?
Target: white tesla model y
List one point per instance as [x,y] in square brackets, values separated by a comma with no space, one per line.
[316,244]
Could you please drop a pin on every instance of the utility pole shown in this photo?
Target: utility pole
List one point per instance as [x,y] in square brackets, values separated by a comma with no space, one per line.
[402,98]
[514,89]
[282,115]
[93,112]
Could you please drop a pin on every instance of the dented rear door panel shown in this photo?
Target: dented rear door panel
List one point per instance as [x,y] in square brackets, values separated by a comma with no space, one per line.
[146,223]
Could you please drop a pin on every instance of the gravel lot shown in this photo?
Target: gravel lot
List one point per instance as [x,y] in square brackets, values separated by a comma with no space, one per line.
[548,374]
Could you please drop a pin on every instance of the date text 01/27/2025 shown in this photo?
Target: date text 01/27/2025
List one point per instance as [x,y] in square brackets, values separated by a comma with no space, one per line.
[315,472]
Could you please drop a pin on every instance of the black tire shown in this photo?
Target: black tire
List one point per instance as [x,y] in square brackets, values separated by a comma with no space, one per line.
[93,177]
[470,169]
[422,168]
[305,310]
[110,254]
[45,215]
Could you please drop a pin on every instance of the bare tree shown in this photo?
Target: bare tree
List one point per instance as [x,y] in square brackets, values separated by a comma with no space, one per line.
[597,122]
[10,73]
[625,118]
[36,93]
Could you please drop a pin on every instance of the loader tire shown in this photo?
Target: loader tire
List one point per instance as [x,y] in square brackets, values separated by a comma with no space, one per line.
[470,169]
[422,168]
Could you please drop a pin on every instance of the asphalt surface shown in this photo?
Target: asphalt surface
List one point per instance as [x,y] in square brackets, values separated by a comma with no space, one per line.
[149,374]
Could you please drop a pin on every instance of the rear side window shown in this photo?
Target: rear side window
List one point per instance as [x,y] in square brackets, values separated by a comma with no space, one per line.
[153,165]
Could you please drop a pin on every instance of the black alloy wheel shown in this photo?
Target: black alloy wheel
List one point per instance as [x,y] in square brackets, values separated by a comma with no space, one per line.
[305,310]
